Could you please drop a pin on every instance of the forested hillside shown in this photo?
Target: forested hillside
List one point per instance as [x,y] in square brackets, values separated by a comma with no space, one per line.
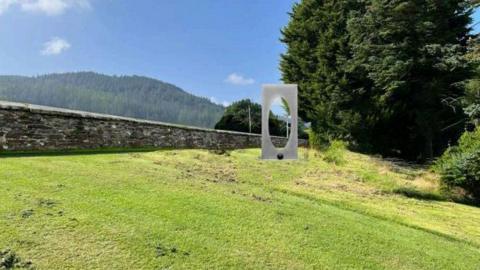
[131,96]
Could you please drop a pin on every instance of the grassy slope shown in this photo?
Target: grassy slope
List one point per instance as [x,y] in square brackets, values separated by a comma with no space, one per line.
[195,209]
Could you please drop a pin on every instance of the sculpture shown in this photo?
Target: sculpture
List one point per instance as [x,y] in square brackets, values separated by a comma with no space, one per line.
[288,92]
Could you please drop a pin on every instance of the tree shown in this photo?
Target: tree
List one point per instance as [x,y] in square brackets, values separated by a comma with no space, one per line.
[302,133]
[236,118]
[379,73]
[413,53]
[316,58]
[471,101]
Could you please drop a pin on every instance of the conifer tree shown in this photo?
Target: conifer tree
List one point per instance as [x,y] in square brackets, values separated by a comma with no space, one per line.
[316,59]
[380,72]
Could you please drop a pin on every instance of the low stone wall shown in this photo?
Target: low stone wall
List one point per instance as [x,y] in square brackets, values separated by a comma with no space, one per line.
[26,127]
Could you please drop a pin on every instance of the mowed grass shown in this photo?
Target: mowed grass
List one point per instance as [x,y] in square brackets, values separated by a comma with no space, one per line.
[194,209]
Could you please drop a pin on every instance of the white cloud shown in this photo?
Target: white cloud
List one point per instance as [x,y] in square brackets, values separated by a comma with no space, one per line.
[214,100]
[223,103]
[55,46]
[5,4]
[226,103]
[49,7]
[238,79]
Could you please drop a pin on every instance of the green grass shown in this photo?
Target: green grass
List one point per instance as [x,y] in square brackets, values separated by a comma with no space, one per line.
[193,209]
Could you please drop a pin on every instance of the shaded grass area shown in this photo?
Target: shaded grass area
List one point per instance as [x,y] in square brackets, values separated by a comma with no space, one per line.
[196,209]
[51,153]
[412,192]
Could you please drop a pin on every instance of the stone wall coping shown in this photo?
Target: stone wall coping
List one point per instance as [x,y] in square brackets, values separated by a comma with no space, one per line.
[8,105]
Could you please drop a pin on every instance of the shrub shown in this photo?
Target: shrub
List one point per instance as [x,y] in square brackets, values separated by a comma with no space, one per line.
[332,151]
[335,153]
[459,166]
[313,140]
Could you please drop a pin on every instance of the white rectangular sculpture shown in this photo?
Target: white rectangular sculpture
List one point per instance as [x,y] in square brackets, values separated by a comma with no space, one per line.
[270,93]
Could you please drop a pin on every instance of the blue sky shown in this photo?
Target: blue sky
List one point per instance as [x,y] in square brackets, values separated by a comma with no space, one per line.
[220,49]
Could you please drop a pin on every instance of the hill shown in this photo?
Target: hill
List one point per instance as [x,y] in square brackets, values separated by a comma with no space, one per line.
[131,96]
[194,209]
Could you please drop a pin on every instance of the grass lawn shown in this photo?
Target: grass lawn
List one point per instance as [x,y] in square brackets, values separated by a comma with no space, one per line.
[193,209]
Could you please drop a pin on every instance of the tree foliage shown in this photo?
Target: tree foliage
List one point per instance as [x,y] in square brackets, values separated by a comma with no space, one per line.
[459,166]
[236,118]
[131,96]
[380,73]
[471,100]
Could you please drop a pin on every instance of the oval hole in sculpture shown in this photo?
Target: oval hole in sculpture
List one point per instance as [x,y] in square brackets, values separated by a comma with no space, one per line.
[279,122]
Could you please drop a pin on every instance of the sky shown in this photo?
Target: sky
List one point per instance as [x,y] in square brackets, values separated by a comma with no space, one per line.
[220,49]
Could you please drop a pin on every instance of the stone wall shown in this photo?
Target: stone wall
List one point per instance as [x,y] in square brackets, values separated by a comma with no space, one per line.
[25,127]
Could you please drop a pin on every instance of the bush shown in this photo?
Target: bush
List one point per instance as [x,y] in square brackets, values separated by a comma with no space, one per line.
[313,141]
[332,151]
[335,153]
[459,166]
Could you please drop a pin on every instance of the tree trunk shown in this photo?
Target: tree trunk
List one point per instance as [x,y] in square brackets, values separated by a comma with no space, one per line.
[429,147]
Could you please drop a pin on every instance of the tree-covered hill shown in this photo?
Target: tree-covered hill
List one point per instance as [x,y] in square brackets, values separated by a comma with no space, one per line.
[131,96]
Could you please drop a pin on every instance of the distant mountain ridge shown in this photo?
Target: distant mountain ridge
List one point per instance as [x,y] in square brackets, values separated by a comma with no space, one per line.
[130,96]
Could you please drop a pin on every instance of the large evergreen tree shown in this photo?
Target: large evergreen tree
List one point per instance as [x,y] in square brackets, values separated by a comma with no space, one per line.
[471,101]
[316,59]
[380,73]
